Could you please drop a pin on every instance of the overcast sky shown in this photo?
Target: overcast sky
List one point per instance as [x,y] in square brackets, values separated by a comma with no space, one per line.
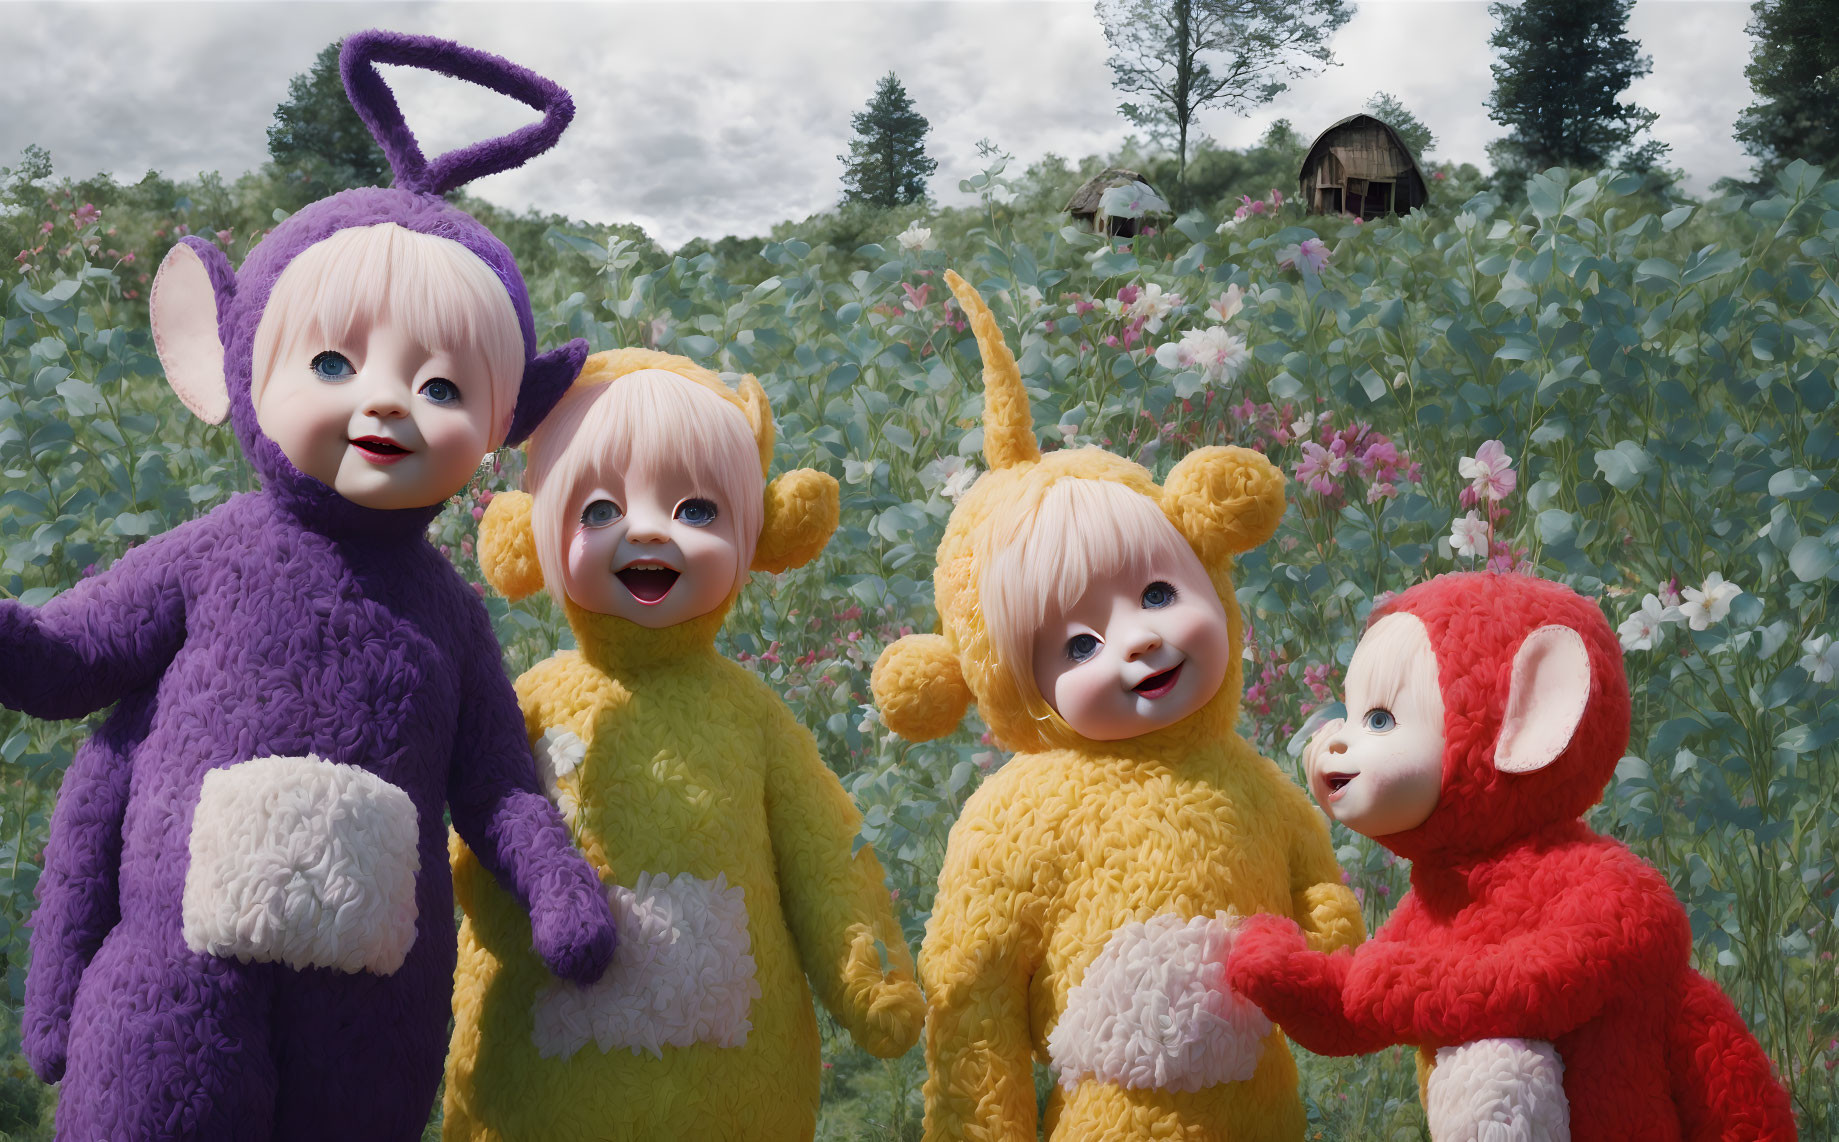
[711,118]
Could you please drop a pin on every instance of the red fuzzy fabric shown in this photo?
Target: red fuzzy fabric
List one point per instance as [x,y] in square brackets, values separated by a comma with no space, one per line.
[1521,921]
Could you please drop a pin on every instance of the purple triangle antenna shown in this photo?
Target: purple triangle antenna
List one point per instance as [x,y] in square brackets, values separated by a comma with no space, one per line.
[376,105]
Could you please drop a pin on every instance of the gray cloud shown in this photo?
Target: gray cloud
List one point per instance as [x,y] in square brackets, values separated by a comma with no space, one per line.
[714,118]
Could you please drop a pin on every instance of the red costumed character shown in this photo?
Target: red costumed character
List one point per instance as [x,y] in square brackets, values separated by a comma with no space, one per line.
[1544,964]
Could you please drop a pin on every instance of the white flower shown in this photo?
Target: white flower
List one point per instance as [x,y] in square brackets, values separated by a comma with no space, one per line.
[1641,628]
[1132,200]
[1822,658]
[1032,296]
[1302,424]
[1153,305]
[1490,471]
[1113,307]
[915,237]
[950,476]
[1400,381]
[1468,535]
[1711,604]
[871,717]
[1229,223]
[1068,432]
[1669,598]
[1215,351]
[1227,305]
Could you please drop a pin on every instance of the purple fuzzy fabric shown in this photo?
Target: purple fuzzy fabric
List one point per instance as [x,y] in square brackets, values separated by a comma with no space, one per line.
[287,622]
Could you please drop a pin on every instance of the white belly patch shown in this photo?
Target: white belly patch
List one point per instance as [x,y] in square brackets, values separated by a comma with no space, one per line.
[683,973]
[304,862]
[1498,1090]
[1154,1011]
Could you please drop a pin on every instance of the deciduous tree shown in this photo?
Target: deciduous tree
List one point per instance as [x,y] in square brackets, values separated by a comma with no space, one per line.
[1410,128]
[1183,56]
[317,142]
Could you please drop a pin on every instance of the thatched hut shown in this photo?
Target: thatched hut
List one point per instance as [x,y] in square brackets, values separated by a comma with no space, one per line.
[1086,206]
[1361,167]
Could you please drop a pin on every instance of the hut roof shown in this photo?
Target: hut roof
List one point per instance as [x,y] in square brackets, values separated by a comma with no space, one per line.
[1322,141]
[1085,199]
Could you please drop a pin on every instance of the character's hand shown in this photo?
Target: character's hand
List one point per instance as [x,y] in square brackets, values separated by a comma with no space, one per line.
[1265,955]
[573,932]
[47,1045]
[896,1012]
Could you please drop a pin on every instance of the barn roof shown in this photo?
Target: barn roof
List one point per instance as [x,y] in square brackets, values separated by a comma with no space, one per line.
[1085,199]
[1321,143]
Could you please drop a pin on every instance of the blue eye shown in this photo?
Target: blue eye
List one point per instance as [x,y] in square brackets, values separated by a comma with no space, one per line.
[697,512]
[1379,721]
[1081,647]
[1158,594]
[600,513]
[440,390]
[332,367]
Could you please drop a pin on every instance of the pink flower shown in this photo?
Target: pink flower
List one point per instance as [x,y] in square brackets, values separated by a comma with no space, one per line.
[1439,176]
[1469,535]
[1320,467]
[1490,472]
[127,259]
[1310,257]
[1276,197]
[224,236]
[85,214]
[1128,295]
[916,298]
[46,227]
[478,512]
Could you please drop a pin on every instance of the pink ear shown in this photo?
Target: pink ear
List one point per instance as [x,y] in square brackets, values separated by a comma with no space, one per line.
[1545,700]
[184,309]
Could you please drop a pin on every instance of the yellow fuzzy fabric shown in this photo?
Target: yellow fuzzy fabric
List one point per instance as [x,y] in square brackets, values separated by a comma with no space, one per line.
[692,766]
[1073,838]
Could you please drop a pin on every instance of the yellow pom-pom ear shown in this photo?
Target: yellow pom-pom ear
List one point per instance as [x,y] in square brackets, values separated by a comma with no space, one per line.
[919,687]
[802,508]
[1225,501]
[507,546]
[759,418]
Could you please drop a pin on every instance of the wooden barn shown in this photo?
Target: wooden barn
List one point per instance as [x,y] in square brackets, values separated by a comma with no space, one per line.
[1361,167]
[1084,204]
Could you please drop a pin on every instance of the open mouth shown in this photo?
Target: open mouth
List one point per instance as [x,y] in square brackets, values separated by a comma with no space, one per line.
[379,450]
[648,582]
[1156,685]
[1337,781]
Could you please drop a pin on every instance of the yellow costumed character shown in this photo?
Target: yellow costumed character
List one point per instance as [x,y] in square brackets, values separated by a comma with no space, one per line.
[1091,886]
[724,841]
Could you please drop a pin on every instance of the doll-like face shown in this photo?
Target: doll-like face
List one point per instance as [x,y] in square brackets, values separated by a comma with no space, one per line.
[1137,652]
[655,549]
[1380,770]
[384,420]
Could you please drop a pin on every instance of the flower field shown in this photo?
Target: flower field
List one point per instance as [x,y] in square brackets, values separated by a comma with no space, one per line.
[1593,383]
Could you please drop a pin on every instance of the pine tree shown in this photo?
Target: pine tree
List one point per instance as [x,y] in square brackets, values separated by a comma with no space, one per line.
[1411,130]
[317,142]
[1564,65]
[1184,56]
[1794,71]
[887,163]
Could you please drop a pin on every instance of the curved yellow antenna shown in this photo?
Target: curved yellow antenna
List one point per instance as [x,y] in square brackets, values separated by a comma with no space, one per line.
[1008,424]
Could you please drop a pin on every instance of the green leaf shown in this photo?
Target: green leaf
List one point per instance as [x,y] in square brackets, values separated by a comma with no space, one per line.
[1624,465]
[1557,526]
[1811,559]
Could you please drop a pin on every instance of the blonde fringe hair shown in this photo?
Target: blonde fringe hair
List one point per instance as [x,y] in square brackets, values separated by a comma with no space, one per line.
[1080,530]
[1393,651]
[441,292]
[650,423]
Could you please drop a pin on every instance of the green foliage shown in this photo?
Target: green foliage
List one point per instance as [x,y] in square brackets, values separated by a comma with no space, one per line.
[1794,72]
[1183,56]
[1564,65]
[887,164]
[1410,128]
[318,143]
[1660,371]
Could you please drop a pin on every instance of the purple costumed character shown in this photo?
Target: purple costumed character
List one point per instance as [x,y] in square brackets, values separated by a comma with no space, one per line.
[246,920]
